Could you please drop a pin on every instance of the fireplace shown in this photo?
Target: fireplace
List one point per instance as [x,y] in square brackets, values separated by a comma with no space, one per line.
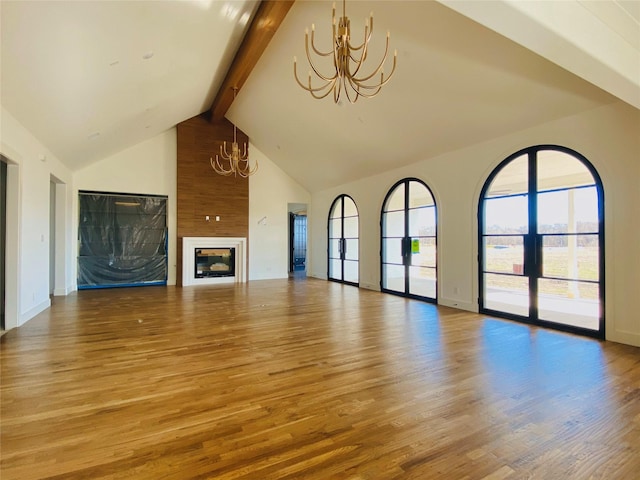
[212,260]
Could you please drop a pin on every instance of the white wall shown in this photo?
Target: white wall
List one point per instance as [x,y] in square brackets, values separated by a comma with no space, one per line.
[30,171]
[607,137]
[147,168]
[597,41]
[270,192]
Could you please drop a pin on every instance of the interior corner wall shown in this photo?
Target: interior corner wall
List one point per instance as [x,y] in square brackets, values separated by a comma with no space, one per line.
[270,192]
[201,192]
[147,168]
[606,136]
[29,174]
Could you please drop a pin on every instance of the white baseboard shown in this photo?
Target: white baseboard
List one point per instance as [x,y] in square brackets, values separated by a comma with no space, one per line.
[454,303]
[62,292]
[32,312]
[315,275]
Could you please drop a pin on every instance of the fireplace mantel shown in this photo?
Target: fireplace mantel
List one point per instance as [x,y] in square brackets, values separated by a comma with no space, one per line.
[189,246]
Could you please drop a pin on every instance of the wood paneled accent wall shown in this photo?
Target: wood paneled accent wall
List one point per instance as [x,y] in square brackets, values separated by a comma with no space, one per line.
[203,192]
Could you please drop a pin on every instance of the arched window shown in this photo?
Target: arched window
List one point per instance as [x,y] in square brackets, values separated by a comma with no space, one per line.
[408,244]
[541,240]
[343,241]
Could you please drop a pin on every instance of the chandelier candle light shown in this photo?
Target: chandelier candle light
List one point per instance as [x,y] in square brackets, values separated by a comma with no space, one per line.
[233,163]
[347,62]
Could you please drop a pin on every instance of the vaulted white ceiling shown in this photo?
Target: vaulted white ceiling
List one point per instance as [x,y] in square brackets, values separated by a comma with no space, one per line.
[92,78]
[89,78]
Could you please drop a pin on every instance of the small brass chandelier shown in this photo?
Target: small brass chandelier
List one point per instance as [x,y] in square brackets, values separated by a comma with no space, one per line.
[234,162]
[347,62]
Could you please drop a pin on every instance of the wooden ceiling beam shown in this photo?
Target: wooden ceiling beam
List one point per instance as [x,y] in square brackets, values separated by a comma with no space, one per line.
[266,21]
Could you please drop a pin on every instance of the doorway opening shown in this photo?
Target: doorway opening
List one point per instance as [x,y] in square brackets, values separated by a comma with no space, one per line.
[3,236]
[297,240]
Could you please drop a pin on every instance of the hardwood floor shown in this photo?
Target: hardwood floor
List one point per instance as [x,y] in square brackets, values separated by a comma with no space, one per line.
[307,379]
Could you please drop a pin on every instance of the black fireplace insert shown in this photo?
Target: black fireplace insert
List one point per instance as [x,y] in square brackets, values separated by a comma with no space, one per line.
[215,262]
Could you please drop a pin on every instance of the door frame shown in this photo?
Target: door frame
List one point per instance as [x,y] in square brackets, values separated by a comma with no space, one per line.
[406,241]
[532,243]
[342,241]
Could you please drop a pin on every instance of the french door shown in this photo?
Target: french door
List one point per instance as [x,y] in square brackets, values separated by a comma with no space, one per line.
[343,241]
[542,241]
[408,244]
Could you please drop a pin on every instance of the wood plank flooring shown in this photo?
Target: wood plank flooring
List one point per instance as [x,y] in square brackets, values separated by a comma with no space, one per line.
[307,379]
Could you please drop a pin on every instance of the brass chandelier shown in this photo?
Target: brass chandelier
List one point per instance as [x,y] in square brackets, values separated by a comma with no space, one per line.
[347,62]
[234,162]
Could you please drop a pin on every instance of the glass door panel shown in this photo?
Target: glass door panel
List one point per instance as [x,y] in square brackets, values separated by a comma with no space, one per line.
[396,200]
[394,278]
[351,249]
[422,222]
[506,293]
[575,257]
[569,245]
[335,242]
[569,303]
[392,250]
[350,227]
[335,269]
[423,254]
[394,224]
[568,211]
[351,271]
[334,248]
[422,281]
[335,227]
[505,228]
[512,180]
[350,209]
[504,254]
[506,215]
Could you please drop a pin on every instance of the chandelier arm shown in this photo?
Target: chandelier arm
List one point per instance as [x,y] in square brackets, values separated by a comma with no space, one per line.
[357,62]
[368,31]
[359,87]
[328,87]
[223,151]
[310,88]
[364,47]
[380,66]
[313,43]
[336,92]
[346,92]
[366,94]
[383,80]
[218,168]
[315,69]
[322,95]
[222,169]
[247,171]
